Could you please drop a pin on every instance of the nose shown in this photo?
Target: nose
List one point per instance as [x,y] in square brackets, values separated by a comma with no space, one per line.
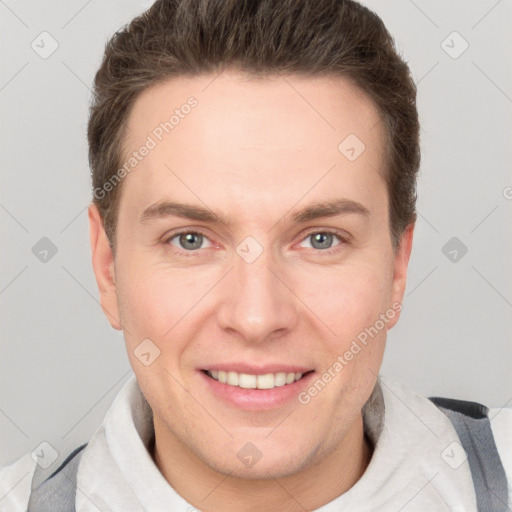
[257,302]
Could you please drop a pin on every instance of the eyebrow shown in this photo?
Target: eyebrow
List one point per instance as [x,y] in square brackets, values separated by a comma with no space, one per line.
[324,209]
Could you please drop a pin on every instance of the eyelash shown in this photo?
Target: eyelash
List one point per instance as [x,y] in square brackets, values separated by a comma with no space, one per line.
[343,240]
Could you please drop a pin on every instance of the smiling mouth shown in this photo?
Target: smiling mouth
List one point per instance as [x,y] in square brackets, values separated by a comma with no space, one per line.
[250,381]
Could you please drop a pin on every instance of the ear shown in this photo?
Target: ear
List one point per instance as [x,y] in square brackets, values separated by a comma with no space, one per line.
[103,265]
[401,263]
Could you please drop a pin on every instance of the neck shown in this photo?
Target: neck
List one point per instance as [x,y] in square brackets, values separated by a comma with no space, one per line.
[308,489]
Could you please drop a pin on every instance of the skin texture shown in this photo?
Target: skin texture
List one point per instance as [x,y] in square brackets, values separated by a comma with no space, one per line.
[256,151]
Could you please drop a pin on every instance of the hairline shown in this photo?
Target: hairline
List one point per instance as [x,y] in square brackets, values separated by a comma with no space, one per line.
[121,150]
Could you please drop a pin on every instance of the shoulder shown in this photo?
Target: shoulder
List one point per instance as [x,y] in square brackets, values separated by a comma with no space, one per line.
[25,482]
[15,484]
[486,435]
[501,425]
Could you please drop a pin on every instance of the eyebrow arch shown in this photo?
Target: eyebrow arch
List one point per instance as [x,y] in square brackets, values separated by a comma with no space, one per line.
[167,208]
[320,210]
[330,209]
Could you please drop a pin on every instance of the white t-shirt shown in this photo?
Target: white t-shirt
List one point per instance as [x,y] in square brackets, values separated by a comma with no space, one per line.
[409,469]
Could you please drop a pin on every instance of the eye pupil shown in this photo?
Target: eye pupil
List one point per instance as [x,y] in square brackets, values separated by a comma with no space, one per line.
[324,239]
[188,238]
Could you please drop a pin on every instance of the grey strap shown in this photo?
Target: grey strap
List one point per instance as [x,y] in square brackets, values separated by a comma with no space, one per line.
[473,427]
[57,492]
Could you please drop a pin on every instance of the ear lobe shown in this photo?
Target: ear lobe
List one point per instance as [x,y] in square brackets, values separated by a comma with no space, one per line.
[103,266]
[400,266]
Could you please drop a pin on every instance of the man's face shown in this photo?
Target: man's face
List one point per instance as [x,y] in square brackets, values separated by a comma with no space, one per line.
[260,291]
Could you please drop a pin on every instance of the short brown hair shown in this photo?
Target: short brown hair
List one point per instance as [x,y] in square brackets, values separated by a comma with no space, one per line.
[269,37]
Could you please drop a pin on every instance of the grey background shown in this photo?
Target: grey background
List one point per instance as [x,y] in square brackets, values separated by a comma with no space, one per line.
[62,364]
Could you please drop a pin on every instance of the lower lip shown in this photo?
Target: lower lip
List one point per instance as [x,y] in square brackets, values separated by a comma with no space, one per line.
[256,399]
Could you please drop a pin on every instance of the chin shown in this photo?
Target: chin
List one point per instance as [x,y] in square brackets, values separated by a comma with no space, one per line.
[261,467]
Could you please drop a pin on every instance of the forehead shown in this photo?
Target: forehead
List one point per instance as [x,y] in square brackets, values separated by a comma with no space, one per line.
[233,135]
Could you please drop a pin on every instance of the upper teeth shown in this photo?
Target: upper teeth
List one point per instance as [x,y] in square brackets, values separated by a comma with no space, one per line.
[246,381]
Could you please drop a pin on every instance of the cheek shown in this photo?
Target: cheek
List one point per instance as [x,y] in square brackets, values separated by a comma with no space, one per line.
[351,306]
[153,300]
[347,300]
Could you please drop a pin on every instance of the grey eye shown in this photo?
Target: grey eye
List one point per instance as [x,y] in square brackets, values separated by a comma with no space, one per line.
[322,240]
[189,241]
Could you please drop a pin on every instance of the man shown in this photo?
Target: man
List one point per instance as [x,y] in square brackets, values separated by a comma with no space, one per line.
[254,171]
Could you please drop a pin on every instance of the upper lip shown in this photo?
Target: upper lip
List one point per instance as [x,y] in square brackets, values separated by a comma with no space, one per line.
[257,370]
